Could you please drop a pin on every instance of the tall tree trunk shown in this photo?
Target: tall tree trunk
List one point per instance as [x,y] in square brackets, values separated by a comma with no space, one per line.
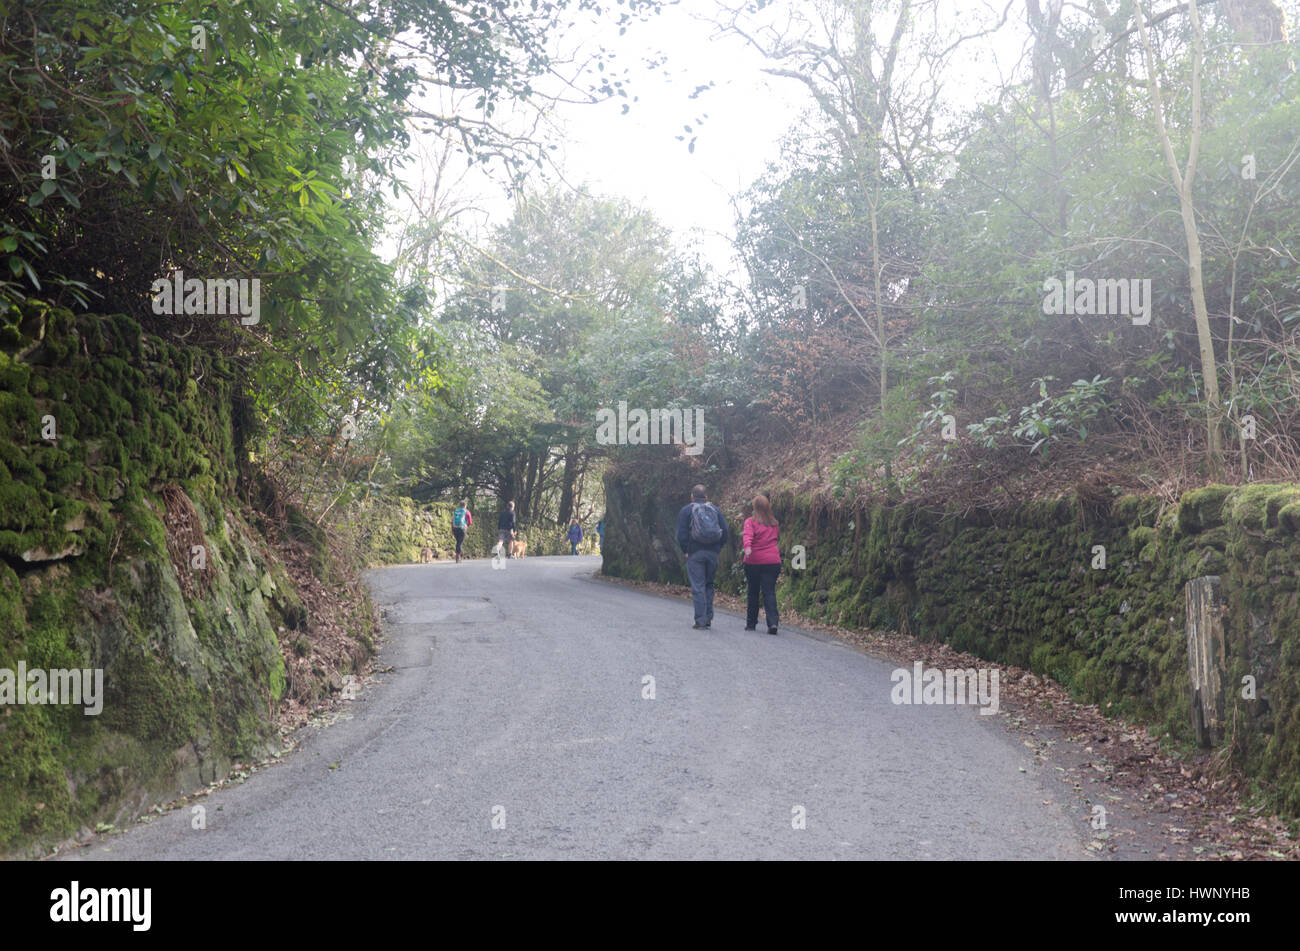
[524,504]
[1183,181]
[539,485]
[1046,40]
[567,483]
[509,488]
[876,268]
[582,485]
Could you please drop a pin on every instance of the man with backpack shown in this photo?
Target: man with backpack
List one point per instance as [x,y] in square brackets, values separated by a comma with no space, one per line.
[701,533]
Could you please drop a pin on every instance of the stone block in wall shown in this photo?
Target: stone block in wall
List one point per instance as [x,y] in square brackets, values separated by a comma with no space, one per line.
[1205,657]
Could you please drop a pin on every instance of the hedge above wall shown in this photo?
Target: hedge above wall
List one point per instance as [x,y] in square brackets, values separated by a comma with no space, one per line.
[1025,586]
[394,530]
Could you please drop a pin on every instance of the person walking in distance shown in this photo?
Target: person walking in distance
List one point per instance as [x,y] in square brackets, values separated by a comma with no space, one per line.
[575,536]
[461,519]
[762,563]
[701,533]
[506,529]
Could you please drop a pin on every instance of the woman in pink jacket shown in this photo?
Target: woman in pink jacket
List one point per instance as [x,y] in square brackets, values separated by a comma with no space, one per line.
[762,563]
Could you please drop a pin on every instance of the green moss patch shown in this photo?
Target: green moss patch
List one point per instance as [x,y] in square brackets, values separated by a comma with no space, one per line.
[192,672]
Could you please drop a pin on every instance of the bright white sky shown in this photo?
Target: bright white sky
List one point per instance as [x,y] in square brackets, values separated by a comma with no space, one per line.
[638,156]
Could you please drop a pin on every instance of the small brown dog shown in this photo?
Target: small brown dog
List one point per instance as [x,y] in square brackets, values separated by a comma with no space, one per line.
[518,547]
[426,555]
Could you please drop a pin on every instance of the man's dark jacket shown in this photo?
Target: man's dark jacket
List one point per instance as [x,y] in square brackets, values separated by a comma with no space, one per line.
[690,545]
[506,523]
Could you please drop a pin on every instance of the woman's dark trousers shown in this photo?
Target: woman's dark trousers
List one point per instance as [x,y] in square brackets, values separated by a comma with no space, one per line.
[762,578]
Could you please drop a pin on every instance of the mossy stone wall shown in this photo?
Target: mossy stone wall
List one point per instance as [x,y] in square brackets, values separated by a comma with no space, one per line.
[1018,586]
[192,665]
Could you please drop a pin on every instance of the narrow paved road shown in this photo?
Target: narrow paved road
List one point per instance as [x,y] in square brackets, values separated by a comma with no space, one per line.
[518,701]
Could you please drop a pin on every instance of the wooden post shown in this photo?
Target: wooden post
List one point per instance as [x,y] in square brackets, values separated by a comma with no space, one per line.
[1205,657]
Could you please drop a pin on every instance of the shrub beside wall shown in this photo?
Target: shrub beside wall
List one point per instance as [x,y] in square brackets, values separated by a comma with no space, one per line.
[393,530]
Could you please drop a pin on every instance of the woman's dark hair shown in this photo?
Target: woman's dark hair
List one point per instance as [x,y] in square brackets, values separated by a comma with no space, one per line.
[763,511]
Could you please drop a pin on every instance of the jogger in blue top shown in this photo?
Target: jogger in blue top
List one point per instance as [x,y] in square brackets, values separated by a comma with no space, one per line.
[461,519]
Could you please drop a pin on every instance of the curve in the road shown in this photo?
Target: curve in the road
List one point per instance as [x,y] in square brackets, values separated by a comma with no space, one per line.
[518,722]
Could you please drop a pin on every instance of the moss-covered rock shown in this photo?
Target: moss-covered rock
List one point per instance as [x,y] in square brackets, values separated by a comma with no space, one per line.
[191,663]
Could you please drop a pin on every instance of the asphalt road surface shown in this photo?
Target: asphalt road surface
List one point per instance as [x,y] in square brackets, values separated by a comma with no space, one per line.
[518,723]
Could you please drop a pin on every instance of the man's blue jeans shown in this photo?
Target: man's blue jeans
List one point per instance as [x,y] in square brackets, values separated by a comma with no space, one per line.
[701,568]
